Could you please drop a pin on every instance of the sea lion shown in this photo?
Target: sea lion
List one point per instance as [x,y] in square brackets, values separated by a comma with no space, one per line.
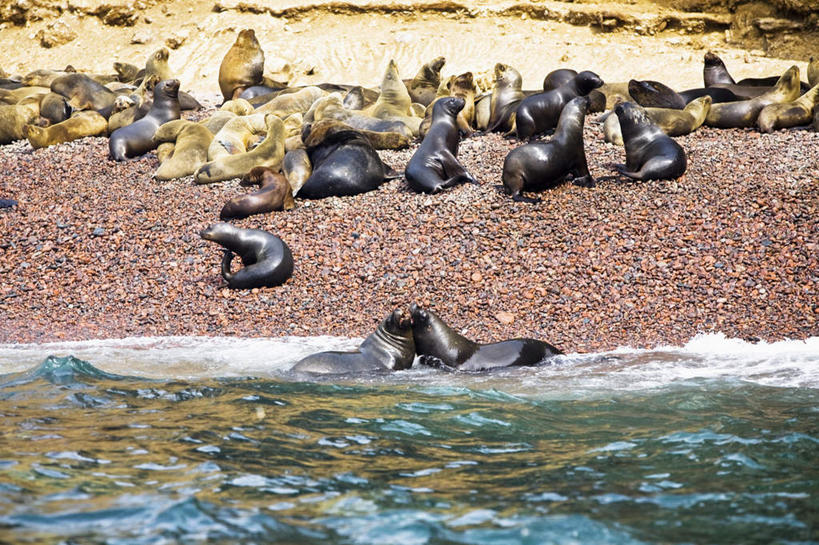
[358,98]
[228,111]
[297,169]
[434,166]
[538,165]
[14,117]
[789,114]
[343,161]
[438,344]
[83,93]
[266,258]
[714,71]
[744,114]
[650,153]
[423,87]
[43,77]
[462,86]
[330,107]
[507,94]
[540,113]
[242,66]
[269,153]
[291,103]
[14,96]
[390,347]
[614,93]
[394,99]
[138,138]
[54,108]
[190,148]
[556,78]
[239,135]
[813,72]
[81,124]
[653,94]
[275,194]
[127,72]
[672,122]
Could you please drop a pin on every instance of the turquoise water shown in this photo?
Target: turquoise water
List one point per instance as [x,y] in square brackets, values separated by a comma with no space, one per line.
[716,442]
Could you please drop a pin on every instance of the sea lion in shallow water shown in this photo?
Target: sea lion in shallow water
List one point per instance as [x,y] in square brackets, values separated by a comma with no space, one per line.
[540,113]
[438,344]
[650,153]
[744,114]
[390,347]
[242,66]
[275,194]
[138,138]
[79,125]
[267,260]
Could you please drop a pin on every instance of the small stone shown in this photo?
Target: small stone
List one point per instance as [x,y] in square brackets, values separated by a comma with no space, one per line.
[476,277]
[504,317]
[98,232]
[56,33]
[141,37]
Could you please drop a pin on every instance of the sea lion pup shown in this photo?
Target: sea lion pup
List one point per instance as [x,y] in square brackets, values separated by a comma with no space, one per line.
[556,78]
[653,94]
[650,153]
[462,86]
[539,113]
[672,122]
[138,138]
[269,153]
[238,135]
[266,258]
[242,66]
[744,114]
[81,124]
[83,93]
[189,149]
[789,114]
[14,117]
[275,194]
[343,161]
[390,347]
[507,93]
[423,87]
[538,165]
[434,166]
[54,108]
[437,344]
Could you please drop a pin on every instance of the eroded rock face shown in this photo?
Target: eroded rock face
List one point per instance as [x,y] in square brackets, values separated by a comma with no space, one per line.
[56,33]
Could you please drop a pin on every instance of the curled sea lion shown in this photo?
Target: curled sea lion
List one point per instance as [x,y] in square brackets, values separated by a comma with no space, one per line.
[190,143]
[507,93]
[744,114]
[438,344]
[390,347]
[789,114]
[541,112]
[269,153]
[238,135]
[423,87]
[138,138]
[275,194]
[14,117]
[537,165]
[242,66]
[267,260]
[650,153]
[81,124]
[434,166]
[330,107]
[297,169]
[672,122]
[556,78]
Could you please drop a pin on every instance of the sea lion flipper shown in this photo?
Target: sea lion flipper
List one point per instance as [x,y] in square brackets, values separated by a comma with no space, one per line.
[227,259]
[391,174]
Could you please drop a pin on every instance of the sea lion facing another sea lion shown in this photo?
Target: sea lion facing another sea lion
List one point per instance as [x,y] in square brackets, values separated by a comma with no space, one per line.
[507,94]
[54,108]
[127,72]
[438,344]
[541,112]
[423,87]
[744,114]
[266,258]
[389,347]
[275,194]
[81,124]
[138,138]
[789,114]
[650,153]
[434,166]
[242,66]
[537,165]
[672,122]
[190,143]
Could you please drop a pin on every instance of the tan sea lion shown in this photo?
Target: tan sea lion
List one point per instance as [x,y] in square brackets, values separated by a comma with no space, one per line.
[672,122]
[189,150]
[228,111]
[297,169]
[789,114]
[292,130]
[13,96]
[269,153]
[506,95]
[813,72]
[615,93]
[275,194]
[81,124]
[423,87]
[83,93]
[239,135]
[330,107]
[43,77]
[127,73]
[13,117]
[394,102]
[291,103]
[744,114]
[242,66]
[462,86]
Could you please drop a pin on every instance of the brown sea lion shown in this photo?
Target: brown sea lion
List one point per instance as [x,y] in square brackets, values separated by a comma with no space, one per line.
[127,73]
[615,93]
[507,94]
[744,114]
[13,96]
[189,151]
[83,93]
[789,114]
[330,107]
[275,194]
[813,72]
[81,124]
[653,94]
[297,169]
[462,86]
[225,113]
[242,66]
[54,108]
[423,87]
[291,103]
[43,77]
[14,117]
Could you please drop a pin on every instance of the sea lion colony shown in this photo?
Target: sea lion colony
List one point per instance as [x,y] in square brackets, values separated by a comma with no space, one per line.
[319,141]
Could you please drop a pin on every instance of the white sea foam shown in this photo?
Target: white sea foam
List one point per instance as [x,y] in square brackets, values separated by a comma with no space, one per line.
[788,363]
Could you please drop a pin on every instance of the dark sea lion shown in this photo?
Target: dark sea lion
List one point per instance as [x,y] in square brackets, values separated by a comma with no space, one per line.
[714,71]
[54,108]
[390,347]
[556,78]
[653,94]
[83,93]
[255,91]
[506,96]
[343,161]
[190,148]
[438,344]
[267,260]
[789,114]
[434,166]
[672,122]
[423,87]
[275,194]
[242,66]
[538,165]
[650,153]
[718,95]
[816,118]
[138,138]
[744,113]
[81,124]
[539,113]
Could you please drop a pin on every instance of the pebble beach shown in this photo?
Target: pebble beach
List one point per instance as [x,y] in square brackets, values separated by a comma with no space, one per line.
[97,249]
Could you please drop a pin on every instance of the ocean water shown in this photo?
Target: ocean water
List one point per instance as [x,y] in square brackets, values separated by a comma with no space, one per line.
[210,440]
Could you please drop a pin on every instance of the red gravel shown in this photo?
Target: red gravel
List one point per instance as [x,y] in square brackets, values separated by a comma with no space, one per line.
[733,246]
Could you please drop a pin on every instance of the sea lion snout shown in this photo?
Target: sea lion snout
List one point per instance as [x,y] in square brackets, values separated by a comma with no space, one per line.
[214,231]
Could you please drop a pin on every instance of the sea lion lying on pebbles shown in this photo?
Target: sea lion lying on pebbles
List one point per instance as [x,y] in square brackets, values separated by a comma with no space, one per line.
[138,138]
[275,194]
[650,153]
[79,125]
[672,122]
[789,114]
[744,113]
[189,143]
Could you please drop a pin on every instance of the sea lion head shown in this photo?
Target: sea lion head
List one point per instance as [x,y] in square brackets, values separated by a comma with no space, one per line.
[506,76]
[653,94]
[448,106]
[399,322]
[247,38]
[161,54]
[789,81]
[217,232]
[587,81]
[712,60]
[391,76]
[168,88]
[632,118]
[465,81]
[427,328]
